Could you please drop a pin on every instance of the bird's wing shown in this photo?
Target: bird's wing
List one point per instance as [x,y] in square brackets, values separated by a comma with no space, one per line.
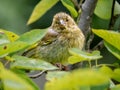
[50,37]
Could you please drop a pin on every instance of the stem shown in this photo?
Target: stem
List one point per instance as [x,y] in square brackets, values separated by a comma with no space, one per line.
[96,63]
[109,65]
[90,65]
[85,18]
[112,14]
[89,41]
[6,63]
[99,46]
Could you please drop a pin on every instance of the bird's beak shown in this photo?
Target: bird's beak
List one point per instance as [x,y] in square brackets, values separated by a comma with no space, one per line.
[62,22]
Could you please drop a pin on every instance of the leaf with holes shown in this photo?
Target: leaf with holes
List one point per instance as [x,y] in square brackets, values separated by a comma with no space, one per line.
[12,47]
[3,38]
[10,35]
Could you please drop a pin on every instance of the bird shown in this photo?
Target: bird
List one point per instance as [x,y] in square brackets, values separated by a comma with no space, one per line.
[62,35]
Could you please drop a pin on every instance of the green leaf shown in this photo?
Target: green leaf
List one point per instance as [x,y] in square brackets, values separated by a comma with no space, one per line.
[12,81]
[53,75]
[26,78]
[118,1]
[70,6]
[103,9]
[117,24]
[80,80]
[98,22]
[32,36]
[113,50]
[74,59]
[12,47]
[117,87]
[10,35]
[116,75]
[117,8]
[22,62]
[41,8]
[111,37]
[79,55]
[3,38]
[107,71]
[1,65]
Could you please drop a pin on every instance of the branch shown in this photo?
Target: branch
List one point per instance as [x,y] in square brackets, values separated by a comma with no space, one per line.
[85,18]
[99,46]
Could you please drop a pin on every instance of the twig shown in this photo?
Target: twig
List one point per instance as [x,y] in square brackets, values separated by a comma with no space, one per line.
[80,3]
[96,63]
[6,63]
[85,18]
[89,41]
[38,74]
[90,64]
[109,65]
[99,46]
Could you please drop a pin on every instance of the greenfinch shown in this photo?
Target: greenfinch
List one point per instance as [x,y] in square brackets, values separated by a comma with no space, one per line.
[62,35]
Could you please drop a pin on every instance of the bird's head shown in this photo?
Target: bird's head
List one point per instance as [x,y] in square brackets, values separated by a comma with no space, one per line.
[62,22]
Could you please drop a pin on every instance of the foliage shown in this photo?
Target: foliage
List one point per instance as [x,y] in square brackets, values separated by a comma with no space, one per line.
[70,6]
[22,62]
[98,76]
[81,80]
[12,81]
[38,12]
[78,56]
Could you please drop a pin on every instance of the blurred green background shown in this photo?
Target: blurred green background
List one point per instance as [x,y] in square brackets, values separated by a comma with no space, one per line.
[14,15]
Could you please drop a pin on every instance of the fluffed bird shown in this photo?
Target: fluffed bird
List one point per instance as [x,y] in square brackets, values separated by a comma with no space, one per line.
[62,35]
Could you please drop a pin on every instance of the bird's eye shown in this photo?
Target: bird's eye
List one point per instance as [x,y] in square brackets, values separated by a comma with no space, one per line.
[57,22]
[67,20]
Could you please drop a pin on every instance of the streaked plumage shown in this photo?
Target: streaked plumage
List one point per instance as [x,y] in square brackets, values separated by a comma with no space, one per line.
[62,35]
